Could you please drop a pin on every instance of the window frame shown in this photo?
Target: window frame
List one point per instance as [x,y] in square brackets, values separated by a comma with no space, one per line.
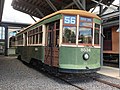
[99,33]
[33,34]
[69,25]
[86,44]
[20,39]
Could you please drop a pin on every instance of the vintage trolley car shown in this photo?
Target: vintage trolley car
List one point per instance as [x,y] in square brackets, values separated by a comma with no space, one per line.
[66,41]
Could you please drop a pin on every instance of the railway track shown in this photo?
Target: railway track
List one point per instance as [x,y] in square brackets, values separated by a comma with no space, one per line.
[63,77]
[96,79]
[106,82]
[82,88]
[78,87]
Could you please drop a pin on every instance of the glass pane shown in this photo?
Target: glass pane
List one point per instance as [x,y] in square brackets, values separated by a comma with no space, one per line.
[40,37]
[33,39]
[96,38]
[86,24]
[86,19]
[40,29]
[49,39]
[69,35]
[36,38]
[97,26]
[2,33]
[85,35]
[57,38]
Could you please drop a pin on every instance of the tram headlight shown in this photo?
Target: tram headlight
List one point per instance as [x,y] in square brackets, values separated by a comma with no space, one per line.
[86,56]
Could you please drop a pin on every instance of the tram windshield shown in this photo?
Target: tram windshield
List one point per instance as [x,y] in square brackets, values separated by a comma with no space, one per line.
[69,34]
[85,35]
[81,31]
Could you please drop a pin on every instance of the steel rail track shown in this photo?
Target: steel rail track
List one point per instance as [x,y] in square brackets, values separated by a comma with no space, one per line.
[58,77]
[105,82]
[69,83]
[62,79]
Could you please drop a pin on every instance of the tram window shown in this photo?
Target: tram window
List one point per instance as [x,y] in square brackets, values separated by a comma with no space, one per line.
[36,38]
[20,40]
[96,33]
[50,26]
[85,35]
[86,19]
[33,39]
[57,25]
[40,37]
[25,39]
[86,24]
[40,34]
[49,39]
[69,34]
[97,26]
[57,38]
[96,36]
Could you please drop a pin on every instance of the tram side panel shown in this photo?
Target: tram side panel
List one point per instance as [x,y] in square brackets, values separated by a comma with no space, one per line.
[31,52]
[71,58]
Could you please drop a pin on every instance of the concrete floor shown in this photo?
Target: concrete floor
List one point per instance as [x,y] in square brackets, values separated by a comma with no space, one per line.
[110,71]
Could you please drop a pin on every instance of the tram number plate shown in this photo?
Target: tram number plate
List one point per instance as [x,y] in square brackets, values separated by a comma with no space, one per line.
[69,19]
[85,50]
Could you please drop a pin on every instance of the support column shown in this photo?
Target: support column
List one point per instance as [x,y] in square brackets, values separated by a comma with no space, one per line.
[6,40]
[100,11]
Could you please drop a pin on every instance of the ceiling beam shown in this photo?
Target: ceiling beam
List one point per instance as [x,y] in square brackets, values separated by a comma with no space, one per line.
[17,8]
[31,6]
[33,18]
[104,5]
[69,5]
[40,12]
[110,15]
[115,5]
[96,5]
[78,4]
[81,4]
[51,5]
[14,24]
[84,4]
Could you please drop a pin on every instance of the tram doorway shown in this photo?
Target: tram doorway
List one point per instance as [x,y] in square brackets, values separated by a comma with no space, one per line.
[52,44]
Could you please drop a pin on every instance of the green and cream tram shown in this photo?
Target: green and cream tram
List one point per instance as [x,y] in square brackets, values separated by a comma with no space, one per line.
[67,40]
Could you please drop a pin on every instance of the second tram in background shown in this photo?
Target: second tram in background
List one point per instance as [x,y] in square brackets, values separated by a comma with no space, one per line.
[66,41]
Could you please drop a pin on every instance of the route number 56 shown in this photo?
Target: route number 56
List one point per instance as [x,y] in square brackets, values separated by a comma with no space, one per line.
[69,19]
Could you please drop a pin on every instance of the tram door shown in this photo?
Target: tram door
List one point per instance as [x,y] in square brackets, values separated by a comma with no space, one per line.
[52,44]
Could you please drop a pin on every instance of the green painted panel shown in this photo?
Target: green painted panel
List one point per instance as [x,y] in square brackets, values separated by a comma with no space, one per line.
[72,58]
[28,52]
[97,21]
[54,18]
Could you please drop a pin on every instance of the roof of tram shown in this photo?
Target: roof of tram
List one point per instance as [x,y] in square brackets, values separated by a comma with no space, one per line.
[41,8]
